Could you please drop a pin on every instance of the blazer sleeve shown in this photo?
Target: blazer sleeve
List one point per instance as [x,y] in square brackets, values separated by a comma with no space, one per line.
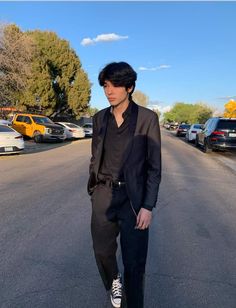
[94,144]
[153,161]
[92,176]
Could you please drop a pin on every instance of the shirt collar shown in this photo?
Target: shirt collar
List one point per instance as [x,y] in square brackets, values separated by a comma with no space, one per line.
[127,112]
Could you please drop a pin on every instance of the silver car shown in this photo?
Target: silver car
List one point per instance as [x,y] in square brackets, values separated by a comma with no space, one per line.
[88,129]
[72,130]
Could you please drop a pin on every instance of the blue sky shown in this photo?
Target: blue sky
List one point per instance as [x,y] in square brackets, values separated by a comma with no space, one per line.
[182,51]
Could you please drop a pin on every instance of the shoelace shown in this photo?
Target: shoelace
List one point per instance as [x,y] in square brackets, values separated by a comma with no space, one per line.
[116,287]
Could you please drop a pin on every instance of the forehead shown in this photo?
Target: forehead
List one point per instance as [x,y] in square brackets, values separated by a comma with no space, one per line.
[108,83]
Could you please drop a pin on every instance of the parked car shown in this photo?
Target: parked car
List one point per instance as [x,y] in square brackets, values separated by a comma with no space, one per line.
[182,129]
[72,130]
[217,133]
[38,127]
[173,126]
[10,140]
[167,125]
[88,129]
[5,122]
[192,132]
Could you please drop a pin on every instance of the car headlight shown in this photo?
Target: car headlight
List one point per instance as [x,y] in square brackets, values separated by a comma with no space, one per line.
[48,130]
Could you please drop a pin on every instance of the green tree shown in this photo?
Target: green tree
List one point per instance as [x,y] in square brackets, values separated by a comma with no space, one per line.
[188,113]
[91,111]
[58,84]
[140,98]
[179,113]
[202,113]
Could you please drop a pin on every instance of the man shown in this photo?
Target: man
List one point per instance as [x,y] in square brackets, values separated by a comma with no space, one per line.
[125,173]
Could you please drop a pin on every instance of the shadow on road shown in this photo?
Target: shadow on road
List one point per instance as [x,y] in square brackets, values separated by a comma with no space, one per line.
[32,147]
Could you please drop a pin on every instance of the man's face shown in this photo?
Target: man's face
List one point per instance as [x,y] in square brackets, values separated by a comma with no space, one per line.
[116,95]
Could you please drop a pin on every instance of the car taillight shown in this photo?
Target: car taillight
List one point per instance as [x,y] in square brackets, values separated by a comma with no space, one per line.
[218,133]
[18,137]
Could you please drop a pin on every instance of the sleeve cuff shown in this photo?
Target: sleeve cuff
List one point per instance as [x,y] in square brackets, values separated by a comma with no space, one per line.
[147,207]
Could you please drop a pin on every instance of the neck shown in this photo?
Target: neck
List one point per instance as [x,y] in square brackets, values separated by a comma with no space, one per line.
[121,107]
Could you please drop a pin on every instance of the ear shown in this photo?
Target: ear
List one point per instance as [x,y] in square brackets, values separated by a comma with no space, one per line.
[130,89]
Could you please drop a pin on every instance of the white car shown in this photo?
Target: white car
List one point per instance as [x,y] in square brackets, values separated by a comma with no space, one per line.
[192,132]
[10,140]
[88,129]
[72,130]
[5,122]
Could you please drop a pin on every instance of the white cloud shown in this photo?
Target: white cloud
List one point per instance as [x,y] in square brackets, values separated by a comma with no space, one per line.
[157,68]
[109,37]
[163,66]
[232,97]
[162,109]
[87,41]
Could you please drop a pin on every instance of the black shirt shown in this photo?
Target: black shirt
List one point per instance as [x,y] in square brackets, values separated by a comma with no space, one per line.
[115,145]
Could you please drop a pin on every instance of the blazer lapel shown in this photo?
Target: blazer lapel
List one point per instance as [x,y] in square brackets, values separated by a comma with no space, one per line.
[101,136]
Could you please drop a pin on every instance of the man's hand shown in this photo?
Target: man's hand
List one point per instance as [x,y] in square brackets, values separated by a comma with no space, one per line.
[143,219]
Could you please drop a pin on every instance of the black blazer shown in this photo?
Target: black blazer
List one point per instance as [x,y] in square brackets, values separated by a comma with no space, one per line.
[142,160]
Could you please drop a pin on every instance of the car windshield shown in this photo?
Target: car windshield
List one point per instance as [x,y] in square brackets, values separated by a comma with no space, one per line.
[197,126]
[42,120]
[184,126]
[5,129]
[227,124]
[71,125]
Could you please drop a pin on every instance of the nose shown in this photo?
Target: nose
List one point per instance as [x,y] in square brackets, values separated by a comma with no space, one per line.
[109,90]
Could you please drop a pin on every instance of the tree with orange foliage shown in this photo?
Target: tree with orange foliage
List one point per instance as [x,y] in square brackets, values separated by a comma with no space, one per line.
[230,109]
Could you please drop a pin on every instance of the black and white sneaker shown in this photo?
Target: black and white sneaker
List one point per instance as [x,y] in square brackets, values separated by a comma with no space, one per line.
[116,292]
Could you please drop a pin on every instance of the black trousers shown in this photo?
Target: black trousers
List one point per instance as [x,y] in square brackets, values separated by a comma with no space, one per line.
[112,215]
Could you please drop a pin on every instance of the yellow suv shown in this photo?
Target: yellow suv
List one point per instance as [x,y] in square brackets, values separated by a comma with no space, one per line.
[38,127]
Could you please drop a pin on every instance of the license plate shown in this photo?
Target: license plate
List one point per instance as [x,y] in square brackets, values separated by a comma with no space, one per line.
[8,149]
[232,134]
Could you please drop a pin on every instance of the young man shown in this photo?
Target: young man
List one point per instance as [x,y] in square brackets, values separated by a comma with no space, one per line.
[125,173]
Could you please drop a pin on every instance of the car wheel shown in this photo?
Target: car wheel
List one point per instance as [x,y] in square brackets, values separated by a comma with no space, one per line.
[37,136]
[206,148]
[196,142]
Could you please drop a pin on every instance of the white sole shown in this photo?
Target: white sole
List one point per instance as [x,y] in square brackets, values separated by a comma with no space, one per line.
[114,304]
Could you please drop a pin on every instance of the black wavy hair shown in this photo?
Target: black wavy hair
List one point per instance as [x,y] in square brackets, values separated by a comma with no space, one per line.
[120,74]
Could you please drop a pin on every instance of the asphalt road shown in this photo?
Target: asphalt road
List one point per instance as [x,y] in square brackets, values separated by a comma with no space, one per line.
[46,257]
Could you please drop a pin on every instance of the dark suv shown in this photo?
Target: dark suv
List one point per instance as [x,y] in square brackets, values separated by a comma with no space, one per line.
[217,133]
[182,129]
